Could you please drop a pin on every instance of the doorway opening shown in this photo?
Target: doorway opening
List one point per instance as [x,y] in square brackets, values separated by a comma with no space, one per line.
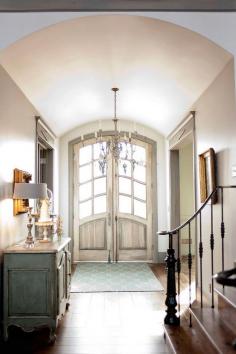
[113,209]
[187,202]
[183,189]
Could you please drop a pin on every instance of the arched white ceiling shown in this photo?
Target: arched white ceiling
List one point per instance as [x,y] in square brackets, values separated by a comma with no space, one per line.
[67,70]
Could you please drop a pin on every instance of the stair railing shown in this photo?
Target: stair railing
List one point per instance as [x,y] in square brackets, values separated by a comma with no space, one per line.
[174,264]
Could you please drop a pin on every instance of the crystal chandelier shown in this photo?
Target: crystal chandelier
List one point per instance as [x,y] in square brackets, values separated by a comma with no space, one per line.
[116,145]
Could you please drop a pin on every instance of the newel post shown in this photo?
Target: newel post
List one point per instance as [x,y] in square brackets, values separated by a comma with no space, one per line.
[171,303]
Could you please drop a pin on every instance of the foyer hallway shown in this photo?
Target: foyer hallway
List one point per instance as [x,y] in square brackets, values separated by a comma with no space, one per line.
[104,323]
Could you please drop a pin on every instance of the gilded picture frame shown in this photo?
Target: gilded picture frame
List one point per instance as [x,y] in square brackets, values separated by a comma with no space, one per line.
[20,205]
[207,175]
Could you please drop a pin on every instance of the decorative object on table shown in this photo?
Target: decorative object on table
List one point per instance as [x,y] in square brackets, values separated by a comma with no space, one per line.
[59,227]
[54,220]
[20,206]
[207,172]
[118,145]
[29,191]
[44,219]
[50,202]
[45,212]
[44,215]
[44,225]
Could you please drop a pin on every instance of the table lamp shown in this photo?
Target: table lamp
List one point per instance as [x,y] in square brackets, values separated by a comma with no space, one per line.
[30,191]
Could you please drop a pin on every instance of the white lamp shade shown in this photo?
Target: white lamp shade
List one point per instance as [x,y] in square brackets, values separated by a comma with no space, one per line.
[30,191]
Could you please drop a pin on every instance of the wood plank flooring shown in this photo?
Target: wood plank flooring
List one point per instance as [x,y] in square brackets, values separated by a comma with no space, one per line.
[103,323]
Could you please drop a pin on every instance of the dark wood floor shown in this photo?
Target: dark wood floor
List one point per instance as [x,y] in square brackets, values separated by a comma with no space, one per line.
[103,323]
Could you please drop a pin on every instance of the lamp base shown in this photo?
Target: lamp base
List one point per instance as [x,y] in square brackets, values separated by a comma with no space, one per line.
[29,243]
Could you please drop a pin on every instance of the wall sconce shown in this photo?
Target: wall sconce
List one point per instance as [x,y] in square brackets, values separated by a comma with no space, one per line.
[20,206]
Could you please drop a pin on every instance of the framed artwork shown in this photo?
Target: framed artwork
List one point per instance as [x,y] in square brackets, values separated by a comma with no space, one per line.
[20,205]
[207,173]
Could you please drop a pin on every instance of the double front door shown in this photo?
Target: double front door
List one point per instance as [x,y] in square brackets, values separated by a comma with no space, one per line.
[113,205]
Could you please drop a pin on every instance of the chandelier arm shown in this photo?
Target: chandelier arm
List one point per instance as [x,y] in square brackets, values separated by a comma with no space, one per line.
[114,146]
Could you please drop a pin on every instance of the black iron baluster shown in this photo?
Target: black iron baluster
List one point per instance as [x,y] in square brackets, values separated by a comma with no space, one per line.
[171,318]
[222,229]
[189,272]
[200,254]
[178,271]
[212,257]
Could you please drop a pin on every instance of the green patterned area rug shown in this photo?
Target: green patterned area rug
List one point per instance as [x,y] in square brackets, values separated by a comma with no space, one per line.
[112,277]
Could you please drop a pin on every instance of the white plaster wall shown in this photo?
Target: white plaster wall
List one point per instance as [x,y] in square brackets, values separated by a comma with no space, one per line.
[17,150]
[216,128]
[108,125]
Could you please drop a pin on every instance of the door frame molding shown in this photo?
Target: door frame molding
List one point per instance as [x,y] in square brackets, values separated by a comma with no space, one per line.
[153,186]
[186,128]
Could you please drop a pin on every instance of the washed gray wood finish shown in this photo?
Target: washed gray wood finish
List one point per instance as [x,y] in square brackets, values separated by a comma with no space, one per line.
[132,235]
[89,232]
[36,285]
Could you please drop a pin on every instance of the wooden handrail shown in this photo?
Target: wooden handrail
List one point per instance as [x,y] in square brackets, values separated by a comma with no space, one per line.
[174,231]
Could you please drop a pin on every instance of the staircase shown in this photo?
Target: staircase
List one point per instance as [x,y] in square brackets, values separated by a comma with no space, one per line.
[212,331]
[204,326]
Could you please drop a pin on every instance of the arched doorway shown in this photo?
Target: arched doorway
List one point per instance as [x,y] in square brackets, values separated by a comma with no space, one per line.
[113,209]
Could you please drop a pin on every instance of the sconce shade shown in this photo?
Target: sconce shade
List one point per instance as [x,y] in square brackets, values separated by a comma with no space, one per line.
[30,191]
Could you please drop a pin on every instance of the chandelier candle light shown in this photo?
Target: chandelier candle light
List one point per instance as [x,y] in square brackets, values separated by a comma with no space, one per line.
[116,144]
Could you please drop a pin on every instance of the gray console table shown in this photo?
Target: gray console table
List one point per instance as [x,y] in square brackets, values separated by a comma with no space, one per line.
[36,285]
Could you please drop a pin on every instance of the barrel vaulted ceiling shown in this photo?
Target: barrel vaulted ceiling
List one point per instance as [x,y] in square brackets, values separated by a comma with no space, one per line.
[67,70]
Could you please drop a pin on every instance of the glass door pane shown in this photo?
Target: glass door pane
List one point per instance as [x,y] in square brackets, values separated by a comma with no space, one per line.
[125,204]
[124,185]
[139,191]
[100,186]
[85,173]
[85,191]
[85,154]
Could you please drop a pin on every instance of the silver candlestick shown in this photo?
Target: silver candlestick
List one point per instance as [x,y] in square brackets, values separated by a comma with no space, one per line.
[29,242]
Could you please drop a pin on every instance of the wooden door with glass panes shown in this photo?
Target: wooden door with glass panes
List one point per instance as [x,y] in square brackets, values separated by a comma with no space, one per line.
[134,237]
[92,204]
[113,208]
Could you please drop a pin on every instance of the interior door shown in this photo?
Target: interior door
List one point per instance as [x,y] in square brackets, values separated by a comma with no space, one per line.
[113,208]
[92,209]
